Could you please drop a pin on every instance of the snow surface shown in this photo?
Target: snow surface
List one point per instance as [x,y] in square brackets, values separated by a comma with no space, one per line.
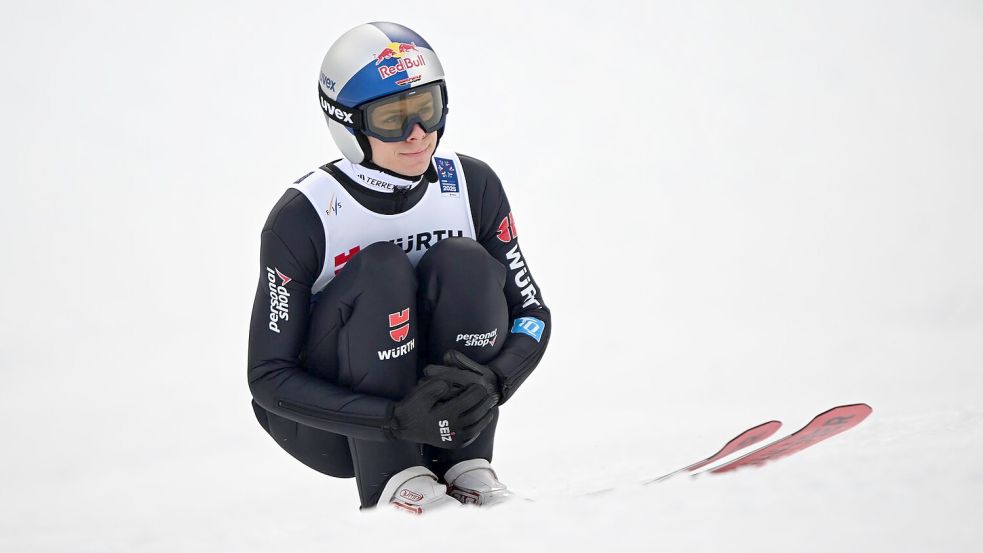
[737,211]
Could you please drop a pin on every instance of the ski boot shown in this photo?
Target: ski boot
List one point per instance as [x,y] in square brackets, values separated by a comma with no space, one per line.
[416,490]
[475,482]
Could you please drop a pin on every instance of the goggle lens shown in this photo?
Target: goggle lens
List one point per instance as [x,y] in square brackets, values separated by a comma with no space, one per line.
[393,118]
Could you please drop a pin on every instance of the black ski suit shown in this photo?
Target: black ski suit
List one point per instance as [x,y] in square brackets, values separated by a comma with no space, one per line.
[326,368]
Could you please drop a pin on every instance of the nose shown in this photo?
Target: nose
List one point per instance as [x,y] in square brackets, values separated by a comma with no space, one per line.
[418,133]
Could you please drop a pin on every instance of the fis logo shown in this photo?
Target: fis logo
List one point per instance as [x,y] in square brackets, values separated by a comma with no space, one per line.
[279,298]
[479,340]
[399,325]
[333,206]
[445,431]
[506,229]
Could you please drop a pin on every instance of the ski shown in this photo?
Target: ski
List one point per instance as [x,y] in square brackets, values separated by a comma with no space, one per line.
[745,439]
[823,426]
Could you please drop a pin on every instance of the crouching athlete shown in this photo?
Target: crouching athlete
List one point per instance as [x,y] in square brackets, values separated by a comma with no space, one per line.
[395,312]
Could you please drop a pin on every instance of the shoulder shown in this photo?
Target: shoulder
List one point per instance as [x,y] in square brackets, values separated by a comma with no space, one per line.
[295,217]
[477,170]
[485,194]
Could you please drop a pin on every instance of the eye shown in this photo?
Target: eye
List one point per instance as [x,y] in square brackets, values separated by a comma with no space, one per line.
[426,110]
[389,120]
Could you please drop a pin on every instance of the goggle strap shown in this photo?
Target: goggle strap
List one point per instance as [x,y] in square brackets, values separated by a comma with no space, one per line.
[341,114]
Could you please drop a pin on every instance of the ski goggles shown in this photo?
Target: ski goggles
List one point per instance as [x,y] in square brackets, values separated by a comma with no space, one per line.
[392,118]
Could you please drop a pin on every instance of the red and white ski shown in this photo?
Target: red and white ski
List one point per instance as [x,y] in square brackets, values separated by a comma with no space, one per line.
[825,425]
[745,439]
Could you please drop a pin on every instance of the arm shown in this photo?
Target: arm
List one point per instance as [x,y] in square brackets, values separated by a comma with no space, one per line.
[292,246]
[526,342]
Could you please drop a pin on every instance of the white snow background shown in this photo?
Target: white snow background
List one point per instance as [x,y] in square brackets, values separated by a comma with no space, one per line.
[737,211]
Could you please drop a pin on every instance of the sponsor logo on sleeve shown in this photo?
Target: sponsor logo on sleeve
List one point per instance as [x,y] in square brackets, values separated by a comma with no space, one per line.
[530,326]
[279,298]
[506,229]
[521,278]
[478,340]
[447,174]
[301,179]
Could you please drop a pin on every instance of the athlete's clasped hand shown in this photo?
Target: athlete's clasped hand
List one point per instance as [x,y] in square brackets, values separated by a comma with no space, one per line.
[442,415]
[462,371]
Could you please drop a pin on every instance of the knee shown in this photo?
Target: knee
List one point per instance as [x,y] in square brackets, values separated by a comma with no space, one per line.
[456,248]
[383,260]
[462,259]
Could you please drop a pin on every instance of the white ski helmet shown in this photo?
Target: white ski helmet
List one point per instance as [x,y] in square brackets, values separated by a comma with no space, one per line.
[370,62]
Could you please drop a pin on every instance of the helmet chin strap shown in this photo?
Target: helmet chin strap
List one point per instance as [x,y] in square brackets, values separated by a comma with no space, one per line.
[430,174]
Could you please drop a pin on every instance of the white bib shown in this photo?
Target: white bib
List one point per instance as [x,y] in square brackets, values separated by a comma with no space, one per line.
[442,212]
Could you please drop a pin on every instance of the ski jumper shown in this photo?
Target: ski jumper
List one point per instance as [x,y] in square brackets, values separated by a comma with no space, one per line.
[365,279]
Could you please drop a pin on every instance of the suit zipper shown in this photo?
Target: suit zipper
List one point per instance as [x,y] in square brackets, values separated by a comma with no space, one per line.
[399,201]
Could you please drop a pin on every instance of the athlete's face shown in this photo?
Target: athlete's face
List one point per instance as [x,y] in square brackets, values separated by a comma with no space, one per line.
[409,157]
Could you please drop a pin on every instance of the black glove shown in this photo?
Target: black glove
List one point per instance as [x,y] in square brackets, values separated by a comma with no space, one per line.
[462,371]
[434,414]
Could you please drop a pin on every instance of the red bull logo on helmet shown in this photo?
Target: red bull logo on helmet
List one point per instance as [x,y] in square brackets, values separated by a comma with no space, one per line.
[399,51]
[395,50]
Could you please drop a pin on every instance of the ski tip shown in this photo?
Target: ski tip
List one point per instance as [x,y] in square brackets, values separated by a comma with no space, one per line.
[824,425]
[855,405]
[856,409]
[749,437]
